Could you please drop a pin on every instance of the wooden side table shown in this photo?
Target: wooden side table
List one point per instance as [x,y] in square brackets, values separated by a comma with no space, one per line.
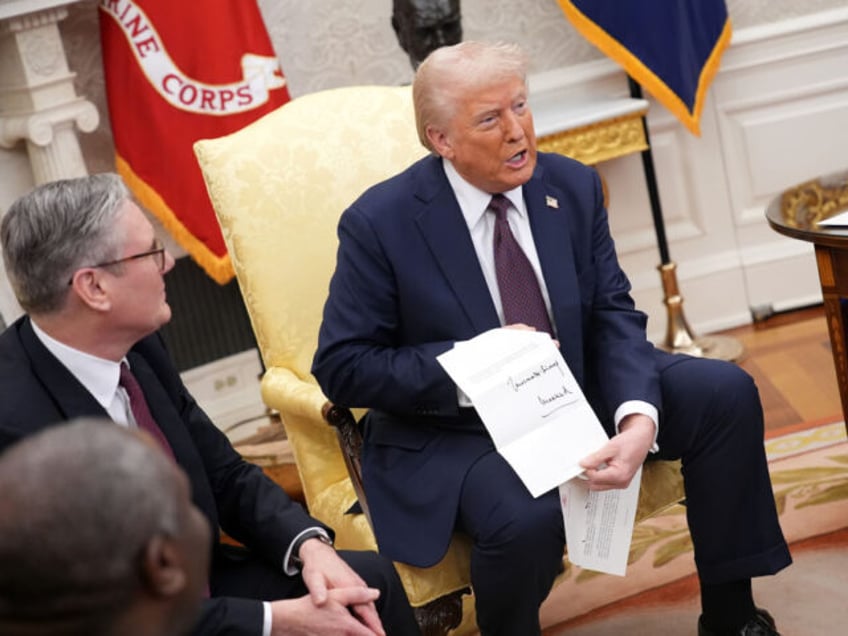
[798,213]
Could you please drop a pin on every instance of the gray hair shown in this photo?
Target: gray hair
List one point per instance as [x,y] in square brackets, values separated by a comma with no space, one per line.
[450,72]
[55,229]
[80,501]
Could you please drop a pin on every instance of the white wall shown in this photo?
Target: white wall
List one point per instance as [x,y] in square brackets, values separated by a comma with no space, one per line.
[323,44]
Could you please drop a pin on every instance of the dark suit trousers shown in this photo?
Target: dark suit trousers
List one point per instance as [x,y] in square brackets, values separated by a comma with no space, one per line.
[517,546]
[712,420]
[241,574]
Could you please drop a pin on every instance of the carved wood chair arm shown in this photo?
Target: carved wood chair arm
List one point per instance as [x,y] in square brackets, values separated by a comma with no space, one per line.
[350,440]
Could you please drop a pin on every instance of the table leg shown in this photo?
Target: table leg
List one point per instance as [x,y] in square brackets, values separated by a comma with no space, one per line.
[833,276]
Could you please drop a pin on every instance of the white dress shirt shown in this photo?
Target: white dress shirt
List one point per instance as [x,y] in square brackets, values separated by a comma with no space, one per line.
[98,375]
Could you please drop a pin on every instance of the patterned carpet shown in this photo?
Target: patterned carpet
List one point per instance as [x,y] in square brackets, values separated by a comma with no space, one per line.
[659,594]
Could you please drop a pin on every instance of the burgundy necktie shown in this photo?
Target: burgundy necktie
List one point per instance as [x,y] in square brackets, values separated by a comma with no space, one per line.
[140,410]
[521,297]
[144,419]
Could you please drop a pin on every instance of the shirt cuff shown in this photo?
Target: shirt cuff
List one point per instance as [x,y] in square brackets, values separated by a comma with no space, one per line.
[643,408]
[290,568]
[266,618]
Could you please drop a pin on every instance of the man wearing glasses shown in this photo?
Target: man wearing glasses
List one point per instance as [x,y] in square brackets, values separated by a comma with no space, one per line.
[86,267]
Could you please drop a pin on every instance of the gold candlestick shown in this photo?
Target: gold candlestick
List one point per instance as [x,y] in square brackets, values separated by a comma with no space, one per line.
[679,337]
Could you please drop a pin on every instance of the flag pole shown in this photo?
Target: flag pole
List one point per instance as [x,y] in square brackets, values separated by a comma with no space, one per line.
[679,337]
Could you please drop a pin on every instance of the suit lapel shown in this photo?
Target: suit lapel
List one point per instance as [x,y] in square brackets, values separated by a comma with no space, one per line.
[546,207]
[174,428]
[71,397]
[74,400]
[444,229]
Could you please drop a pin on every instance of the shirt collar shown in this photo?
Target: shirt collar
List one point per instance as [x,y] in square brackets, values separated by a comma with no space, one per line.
[473,201]
[98,375]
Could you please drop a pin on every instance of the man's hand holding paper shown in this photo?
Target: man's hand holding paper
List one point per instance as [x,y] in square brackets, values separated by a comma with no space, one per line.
[614,465]
[542,424]
[530,403]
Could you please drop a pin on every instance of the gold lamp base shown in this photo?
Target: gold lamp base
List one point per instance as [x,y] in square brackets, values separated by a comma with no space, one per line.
[679,337]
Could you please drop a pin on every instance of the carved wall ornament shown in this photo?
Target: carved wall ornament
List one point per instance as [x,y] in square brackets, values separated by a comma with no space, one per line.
[599,141]
[41,54]
[40,105]
[37,19]
[38,127]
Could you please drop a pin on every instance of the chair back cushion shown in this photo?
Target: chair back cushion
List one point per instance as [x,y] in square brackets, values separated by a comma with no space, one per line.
[279,186]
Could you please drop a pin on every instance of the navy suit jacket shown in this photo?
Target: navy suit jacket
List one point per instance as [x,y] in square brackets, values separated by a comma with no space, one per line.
[38,391]
[408,285]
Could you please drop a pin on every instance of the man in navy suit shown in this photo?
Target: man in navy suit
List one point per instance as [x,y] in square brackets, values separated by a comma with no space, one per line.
[419,269]
[86,266]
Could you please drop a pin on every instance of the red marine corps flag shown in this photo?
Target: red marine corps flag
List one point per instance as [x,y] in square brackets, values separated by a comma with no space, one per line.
[177,72]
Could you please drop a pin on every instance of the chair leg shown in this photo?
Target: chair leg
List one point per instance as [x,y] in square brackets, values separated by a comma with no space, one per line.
[441,615]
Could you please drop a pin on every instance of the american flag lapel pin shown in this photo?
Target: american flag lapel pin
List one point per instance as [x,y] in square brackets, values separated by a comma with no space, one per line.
[551,202]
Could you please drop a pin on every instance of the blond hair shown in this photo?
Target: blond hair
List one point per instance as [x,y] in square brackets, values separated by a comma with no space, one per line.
[450,72]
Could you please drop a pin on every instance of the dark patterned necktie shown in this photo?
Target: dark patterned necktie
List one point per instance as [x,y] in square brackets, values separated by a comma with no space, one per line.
[140,410]
[521,297]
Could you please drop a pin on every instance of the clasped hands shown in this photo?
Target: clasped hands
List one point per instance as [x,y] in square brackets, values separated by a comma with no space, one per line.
[339,601]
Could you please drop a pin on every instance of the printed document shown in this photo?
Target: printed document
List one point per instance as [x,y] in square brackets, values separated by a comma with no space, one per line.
[599,525]
[530,403]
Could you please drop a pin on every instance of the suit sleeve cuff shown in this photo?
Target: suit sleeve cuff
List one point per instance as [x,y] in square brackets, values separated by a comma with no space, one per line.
[290,566]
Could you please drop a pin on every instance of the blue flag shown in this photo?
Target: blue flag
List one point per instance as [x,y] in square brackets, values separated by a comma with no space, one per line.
[671,47]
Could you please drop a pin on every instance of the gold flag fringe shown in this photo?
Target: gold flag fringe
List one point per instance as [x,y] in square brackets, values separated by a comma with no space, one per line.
[219,268]
[613,49]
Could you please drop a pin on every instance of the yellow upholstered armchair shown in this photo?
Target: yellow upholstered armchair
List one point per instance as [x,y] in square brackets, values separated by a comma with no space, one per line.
[278,187]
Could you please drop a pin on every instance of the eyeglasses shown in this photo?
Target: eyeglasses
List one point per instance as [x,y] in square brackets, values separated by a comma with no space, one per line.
[158,253]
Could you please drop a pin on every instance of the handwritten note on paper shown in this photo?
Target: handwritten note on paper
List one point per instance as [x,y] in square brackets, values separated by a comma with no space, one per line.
[599,525]
[530,403]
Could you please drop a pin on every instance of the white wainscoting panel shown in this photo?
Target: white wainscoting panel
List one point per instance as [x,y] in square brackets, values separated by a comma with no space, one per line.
[228,389]
[781,100]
